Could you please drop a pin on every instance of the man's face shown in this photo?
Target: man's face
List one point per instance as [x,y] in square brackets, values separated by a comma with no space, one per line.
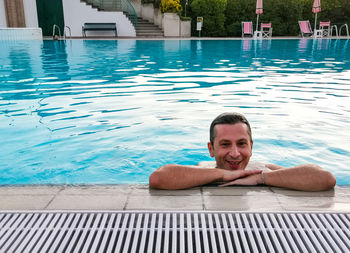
[232,147]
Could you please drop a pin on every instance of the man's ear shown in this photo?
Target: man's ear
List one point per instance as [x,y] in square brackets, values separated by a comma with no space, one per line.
[211,149]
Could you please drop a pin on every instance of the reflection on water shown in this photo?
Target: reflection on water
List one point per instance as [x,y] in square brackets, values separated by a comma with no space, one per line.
[113,111]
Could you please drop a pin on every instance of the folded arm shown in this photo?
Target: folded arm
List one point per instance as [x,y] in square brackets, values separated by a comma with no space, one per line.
[173,176]
[307,177]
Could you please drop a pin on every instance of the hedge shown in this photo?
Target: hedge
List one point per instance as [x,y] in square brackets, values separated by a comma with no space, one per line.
[224,17]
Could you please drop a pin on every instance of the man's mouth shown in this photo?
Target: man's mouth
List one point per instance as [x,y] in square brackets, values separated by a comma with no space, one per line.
[234,164]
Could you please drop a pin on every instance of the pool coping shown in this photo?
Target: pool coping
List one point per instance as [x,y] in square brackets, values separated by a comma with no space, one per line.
[139,197]
[197,38]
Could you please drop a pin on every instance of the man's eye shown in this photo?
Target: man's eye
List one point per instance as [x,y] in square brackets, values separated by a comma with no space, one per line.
[242,143]
[225,144]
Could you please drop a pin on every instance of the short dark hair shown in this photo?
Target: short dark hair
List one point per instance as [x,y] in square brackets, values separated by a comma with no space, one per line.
[230,118]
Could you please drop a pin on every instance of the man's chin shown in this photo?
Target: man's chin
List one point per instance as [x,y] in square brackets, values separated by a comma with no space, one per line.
[234,167]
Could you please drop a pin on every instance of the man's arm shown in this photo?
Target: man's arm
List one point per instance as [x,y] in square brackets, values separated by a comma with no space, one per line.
[173,176]
[306,177]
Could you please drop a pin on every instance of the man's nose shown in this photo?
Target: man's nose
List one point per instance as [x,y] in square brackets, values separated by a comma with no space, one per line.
[234,152]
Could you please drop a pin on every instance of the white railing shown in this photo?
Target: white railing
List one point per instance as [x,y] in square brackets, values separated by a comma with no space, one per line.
[346,29]
[336,30]
[64,32]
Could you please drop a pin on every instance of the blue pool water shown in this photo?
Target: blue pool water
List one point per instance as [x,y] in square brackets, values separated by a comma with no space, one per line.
[81,112]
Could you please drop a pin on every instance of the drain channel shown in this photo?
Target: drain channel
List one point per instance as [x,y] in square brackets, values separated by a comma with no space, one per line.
[174,232]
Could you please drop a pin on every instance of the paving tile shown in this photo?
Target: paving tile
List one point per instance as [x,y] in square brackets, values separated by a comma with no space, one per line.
[342,191]
[24,202]
[96,190]
[299,203]
[30,190]
[141,197]
[90,202]
[287,192]
[164,203]
[236,191]
[241,203]
[155,192]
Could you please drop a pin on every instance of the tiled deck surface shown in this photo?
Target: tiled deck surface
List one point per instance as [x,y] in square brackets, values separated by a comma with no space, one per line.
[140,197]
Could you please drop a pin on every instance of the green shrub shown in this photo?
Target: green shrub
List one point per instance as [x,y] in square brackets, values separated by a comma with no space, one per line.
[236,12]
[213,15]
[224,17]
[182,18]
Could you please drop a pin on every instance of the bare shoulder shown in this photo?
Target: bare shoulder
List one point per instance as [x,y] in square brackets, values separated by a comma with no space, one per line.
[207,164]
[274,167]
[254,165]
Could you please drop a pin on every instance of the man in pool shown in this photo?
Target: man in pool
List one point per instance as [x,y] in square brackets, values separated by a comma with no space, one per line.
[231,145]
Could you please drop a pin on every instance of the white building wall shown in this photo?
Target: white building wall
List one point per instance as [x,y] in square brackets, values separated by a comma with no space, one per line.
[3,22]
[30,13]
[26,33]
[77,13]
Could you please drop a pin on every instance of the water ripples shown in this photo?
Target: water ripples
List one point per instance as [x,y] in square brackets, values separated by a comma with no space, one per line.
[113,111]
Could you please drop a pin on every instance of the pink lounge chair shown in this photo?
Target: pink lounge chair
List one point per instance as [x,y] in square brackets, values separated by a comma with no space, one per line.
[305,28]
[266,30]
[247,29]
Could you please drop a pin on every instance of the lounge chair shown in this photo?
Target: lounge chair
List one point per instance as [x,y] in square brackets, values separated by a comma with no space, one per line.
[325,28]
[305,28]
[247,29]
[266,30]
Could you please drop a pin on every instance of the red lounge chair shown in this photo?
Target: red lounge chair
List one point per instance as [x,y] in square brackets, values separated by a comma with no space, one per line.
[247,29]
[266,30]
[326,28]
[305,28]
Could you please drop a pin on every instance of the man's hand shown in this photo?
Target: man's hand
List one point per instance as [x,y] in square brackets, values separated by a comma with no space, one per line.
[242,177]
[174,176]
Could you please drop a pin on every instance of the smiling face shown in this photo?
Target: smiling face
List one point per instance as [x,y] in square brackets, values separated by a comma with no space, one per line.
[232,147]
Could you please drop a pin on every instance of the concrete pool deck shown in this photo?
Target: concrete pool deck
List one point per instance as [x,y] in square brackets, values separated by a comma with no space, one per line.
[141,197]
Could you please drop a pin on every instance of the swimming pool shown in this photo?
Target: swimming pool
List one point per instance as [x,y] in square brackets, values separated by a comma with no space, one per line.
[83,112]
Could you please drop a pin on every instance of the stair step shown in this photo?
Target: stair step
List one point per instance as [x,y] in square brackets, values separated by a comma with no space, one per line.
[146,25]
[148,29]
[155,32]
[150,34]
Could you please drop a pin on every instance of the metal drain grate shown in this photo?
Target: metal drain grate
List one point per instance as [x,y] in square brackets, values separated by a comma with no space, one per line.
[174,232]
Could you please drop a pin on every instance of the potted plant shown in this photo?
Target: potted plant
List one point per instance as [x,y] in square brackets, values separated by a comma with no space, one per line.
[171,19]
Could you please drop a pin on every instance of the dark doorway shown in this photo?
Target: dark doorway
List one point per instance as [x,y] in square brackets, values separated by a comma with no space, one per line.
[50,13]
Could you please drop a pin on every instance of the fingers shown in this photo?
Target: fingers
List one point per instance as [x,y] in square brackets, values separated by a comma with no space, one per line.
[238,174]
[252,172]
[241,181]
[227,184]
[251,179]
